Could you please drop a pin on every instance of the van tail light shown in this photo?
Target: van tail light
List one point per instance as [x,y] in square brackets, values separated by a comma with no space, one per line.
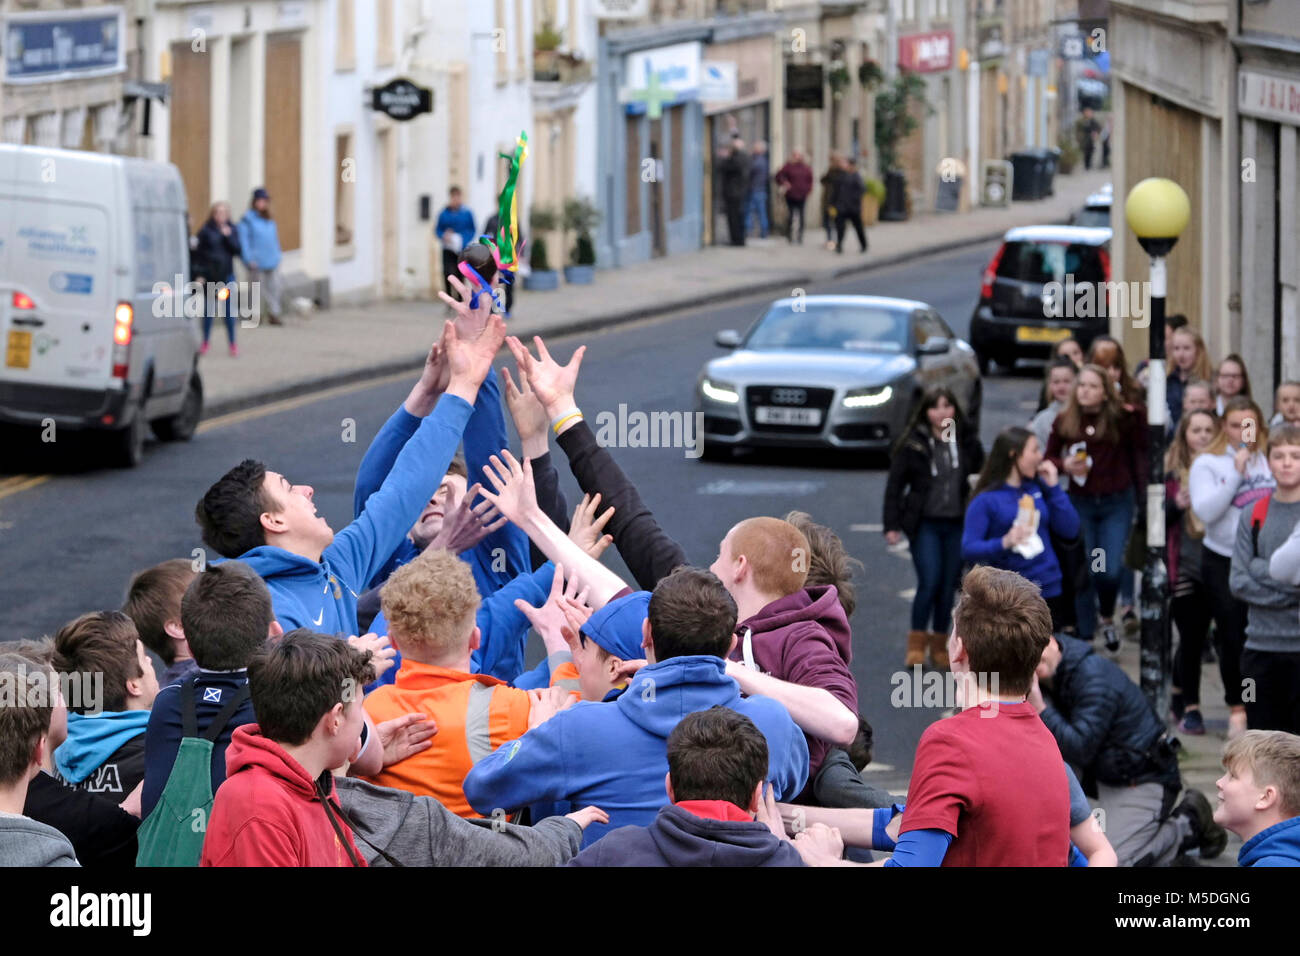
[1104,256]
[986,288]
[23,301]
[123,319]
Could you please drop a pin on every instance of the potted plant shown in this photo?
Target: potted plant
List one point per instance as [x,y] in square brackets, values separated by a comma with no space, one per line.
[895,121]
[1070,154]
[541,277]
[580,217]
[545,42]
[872,196]
[838,78]
[870,75]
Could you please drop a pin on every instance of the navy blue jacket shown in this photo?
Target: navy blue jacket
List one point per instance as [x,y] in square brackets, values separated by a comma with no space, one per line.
[679,838]
[1101,721]
[990,515]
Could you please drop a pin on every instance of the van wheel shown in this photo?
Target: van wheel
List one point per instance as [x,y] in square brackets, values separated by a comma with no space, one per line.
[181,426]
[126,446]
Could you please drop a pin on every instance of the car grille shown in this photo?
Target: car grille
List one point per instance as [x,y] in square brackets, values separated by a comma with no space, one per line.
[714,425]
[787,396]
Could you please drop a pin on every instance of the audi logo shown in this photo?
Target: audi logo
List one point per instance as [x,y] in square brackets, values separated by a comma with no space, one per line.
[789,396]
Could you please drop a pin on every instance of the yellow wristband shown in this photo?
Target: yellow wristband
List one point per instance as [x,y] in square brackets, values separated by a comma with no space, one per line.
[565,420]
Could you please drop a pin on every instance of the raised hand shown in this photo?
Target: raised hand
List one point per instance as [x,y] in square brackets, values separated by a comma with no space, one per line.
[515,495]
[531,421]
[467,524]
[585,529]
[553,383]
[551,619]
[381,651]
[469,322]
[470,358]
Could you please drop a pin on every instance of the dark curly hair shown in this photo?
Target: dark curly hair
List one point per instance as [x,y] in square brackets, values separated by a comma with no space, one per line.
[230,513]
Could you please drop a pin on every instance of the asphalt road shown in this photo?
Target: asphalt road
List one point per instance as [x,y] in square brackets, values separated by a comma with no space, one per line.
[69,544]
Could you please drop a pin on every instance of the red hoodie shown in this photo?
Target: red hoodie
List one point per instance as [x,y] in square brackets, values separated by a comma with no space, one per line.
[804,638]
[267,813]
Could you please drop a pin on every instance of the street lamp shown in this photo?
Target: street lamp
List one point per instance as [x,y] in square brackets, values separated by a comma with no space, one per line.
[1157,210]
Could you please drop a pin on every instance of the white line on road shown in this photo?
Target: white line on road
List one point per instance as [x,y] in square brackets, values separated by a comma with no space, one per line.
[867,527]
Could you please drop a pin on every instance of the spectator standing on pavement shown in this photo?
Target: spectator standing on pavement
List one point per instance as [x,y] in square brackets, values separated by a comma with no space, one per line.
[1086,132]
[1058,386]
[794,179]
[259,244]
[1190,607]
[1231,380]
[1226,480]
[1266,575]
[1100,444]
[848,205]
[1016,507]
[1106,728]
[733,178]
[829,183]
[925,499]
[1188,361]
[455,229]
[759,171]
[214,261]
[1286,404]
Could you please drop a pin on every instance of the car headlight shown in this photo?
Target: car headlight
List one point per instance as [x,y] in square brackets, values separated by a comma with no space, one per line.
[718,392]
[868,397]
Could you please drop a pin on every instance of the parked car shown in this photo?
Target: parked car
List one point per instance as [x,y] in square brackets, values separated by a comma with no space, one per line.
[87,241]
[831,371]
[1033,292]
[1096,210]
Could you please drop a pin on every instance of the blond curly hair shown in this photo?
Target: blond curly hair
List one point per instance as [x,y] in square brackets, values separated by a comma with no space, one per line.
[430,605]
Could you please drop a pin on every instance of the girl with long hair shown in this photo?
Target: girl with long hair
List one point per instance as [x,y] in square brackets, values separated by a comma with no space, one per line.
[1067,348]
[1016,502]
[1061,374]
[1225,479]
[1107,352]
[1101,445]
[1232,379]
[1188,360]
[925,498]
[1190,606]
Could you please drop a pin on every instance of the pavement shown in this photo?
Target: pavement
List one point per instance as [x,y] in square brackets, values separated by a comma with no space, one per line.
[343,345]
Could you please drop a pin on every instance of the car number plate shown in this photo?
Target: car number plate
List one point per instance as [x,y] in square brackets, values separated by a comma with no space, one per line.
[18,354]
[769,415]
[1029,333]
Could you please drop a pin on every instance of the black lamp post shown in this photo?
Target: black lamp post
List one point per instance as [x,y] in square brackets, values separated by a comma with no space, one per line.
[1157,210]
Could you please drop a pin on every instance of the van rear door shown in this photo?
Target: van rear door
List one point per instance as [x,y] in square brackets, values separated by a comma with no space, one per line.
[56,295]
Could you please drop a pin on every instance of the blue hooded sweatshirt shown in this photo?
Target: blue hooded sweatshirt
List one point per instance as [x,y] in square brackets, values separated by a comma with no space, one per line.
[322,595]
[1279,845]
[990,516]
[93,739]
[615,755]
[259,240]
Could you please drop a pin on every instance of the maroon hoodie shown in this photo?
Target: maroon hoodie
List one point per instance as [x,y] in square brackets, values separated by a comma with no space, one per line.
[804,638]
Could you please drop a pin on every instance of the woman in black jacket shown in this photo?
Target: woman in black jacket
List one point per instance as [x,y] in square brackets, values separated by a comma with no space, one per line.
[925,499]
[214,262]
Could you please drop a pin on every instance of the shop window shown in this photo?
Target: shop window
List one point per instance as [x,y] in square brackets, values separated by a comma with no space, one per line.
[345,171]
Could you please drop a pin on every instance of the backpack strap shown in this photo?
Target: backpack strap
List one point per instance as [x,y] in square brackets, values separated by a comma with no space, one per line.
[1258,515]
[189,723]
[335,813]
[225,714]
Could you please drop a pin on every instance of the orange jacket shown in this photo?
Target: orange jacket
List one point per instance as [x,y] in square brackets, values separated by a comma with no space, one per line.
[475,715]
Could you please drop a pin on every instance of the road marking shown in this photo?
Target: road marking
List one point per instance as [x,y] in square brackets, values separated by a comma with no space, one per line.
[11,487]
[907,594]
[866,527]
[729,486]
[874,767]
[288,404]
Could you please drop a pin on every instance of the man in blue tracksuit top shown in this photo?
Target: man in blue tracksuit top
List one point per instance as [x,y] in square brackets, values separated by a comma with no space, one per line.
[314,576]
[500,561]
[614,755]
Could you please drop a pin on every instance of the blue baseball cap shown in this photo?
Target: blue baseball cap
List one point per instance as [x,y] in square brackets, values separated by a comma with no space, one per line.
[616,627]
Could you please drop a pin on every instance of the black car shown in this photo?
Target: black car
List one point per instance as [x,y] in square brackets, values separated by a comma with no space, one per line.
[1043,285]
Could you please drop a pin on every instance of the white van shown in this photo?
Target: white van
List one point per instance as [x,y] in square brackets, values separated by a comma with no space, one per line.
[86,239]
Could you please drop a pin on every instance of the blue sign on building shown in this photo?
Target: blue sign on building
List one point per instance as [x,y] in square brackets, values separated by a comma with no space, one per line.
[40,47]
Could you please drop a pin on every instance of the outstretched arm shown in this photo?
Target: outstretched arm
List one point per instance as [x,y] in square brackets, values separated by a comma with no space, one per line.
[816,710]
[647,549]
[516,499]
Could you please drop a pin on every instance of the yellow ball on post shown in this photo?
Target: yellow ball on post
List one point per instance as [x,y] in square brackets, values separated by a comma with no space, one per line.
[1158,209]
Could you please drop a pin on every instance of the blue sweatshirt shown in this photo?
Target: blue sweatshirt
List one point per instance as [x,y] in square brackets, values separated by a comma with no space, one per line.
[322,595]
[457,220]
[990,516]
[501,556]
[503,630]
[615,756]
[259,240]
[1279,845]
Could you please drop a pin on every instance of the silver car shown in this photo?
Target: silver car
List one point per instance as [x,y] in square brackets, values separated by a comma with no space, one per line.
[831,371]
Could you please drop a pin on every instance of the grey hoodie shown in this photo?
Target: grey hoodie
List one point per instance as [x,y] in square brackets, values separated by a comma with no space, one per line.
[420,831]
[24,842]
